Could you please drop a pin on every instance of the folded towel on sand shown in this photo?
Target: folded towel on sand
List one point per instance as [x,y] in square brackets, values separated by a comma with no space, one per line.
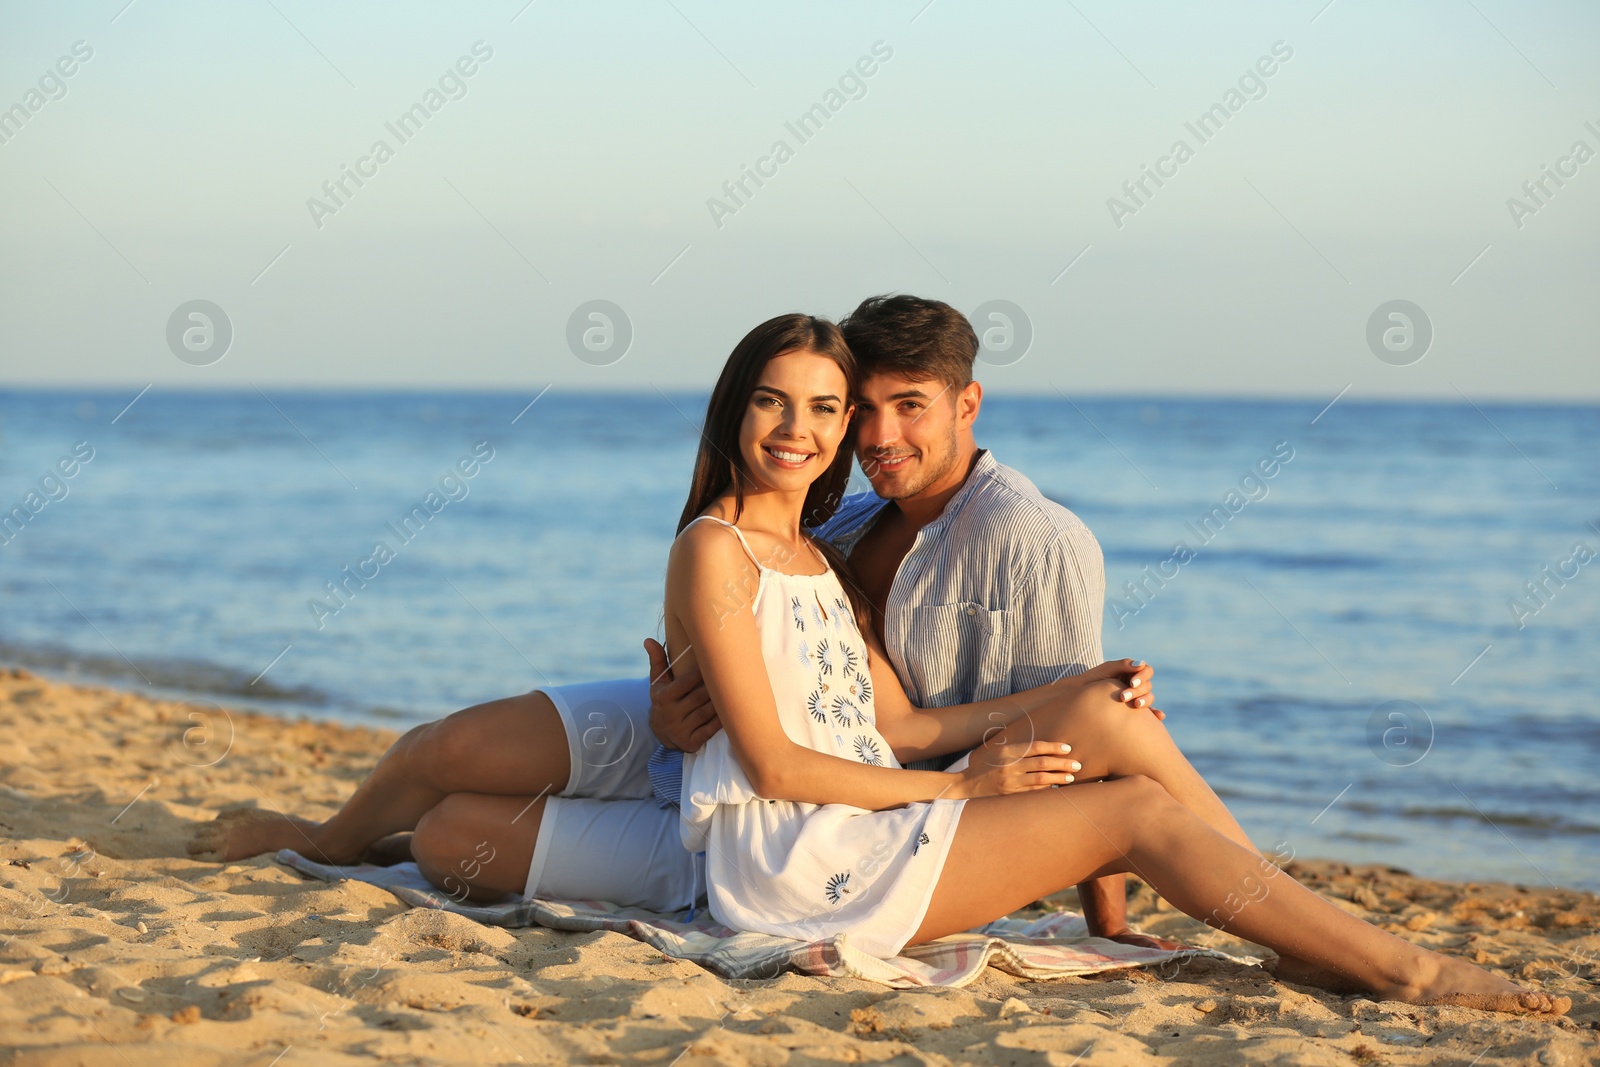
[1053,946]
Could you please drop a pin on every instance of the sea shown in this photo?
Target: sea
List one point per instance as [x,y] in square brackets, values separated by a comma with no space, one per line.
[1373,625]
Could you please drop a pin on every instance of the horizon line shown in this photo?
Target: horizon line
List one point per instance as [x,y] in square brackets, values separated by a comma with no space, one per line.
[1460,398]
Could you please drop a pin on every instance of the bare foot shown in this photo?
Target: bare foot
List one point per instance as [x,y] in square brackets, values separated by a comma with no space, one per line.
[1459,984]
[1301,972]
[244,832]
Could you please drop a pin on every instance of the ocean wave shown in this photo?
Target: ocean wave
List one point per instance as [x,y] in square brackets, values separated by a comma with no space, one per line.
[1543,823]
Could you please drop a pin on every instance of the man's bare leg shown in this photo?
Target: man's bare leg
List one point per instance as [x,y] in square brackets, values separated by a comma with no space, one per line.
[512,747]
[1104,903]
[476,847]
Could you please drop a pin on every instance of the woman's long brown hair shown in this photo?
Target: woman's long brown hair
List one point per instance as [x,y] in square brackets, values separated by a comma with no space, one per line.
[719,465]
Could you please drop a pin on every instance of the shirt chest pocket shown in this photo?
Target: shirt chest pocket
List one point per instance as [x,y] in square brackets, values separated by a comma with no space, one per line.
[958,653]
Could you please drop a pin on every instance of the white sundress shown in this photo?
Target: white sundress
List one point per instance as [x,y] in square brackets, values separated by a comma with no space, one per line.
[811,871]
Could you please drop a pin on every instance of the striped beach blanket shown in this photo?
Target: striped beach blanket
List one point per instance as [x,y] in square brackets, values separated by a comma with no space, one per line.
[1057,945]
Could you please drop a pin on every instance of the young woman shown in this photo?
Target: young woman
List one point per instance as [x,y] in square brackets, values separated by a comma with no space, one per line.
[809,824]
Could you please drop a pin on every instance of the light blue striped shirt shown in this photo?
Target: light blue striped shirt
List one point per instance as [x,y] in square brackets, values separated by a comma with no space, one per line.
[1004,591]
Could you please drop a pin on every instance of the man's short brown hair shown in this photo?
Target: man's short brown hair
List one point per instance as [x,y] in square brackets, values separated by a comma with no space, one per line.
[913,338]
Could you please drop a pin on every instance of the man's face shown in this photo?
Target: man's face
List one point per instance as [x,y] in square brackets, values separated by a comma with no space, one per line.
[907,433]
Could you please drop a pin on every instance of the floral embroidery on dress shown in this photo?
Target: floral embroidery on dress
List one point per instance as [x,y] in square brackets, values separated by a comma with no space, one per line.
[794,609]
[837,887]
[852,658]
[816,614]
[841,611]
[825,656]
[804,653]
[867,751]
[922,839]
[861,688]
[845,711]
[814,706]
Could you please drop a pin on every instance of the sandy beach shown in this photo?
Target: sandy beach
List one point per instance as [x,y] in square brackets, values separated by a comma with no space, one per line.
[117,948]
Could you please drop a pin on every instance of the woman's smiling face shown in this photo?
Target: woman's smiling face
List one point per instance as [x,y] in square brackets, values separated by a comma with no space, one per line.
[796,417]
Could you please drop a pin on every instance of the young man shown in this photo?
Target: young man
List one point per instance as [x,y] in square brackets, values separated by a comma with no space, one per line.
[980,587]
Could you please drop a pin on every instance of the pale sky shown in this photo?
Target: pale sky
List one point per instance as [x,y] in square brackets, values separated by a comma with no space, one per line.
[578,160]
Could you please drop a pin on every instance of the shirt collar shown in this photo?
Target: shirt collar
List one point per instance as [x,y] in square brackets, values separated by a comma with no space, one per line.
[981,472]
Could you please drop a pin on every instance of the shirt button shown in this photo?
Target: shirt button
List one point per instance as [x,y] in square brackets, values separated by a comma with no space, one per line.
[971,610]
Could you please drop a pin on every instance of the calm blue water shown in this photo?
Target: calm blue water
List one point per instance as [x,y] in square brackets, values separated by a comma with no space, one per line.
[1375,566]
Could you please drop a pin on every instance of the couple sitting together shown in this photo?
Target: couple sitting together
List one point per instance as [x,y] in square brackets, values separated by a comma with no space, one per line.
[881,715]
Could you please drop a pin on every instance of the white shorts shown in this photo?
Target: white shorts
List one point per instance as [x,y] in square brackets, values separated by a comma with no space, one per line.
[604,837]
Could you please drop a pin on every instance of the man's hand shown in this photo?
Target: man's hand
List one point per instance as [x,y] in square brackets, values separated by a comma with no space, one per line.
[681,715]
[1134,679]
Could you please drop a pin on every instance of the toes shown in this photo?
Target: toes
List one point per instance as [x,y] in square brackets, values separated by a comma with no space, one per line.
[1545,1004]
[1525,1002]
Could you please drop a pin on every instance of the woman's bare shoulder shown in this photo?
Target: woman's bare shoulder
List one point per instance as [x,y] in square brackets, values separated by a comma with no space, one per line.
[707,571]
[706,548]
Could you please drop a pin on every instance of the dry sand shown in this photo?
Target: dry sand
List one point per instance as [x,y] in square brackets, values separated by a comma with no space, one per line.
[117,949]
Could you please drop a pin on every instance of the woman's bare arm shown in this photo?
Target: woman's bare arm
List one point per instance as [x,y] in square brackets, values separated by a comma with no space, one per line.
[914,733]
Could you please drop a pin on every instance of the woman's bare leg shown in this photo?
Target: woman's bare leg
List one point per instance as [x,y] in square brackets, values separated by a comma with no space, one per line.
[996,865]
[515,747]
[1111,742]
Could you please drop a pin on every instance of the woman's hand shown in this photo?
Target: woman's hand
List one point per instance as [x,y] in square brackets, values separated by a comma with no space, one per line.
[995,770]
[1134,677]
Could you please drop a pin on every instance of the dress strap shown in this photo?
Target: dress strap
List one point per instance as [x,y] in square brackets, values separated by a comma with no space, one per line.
[737,533]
